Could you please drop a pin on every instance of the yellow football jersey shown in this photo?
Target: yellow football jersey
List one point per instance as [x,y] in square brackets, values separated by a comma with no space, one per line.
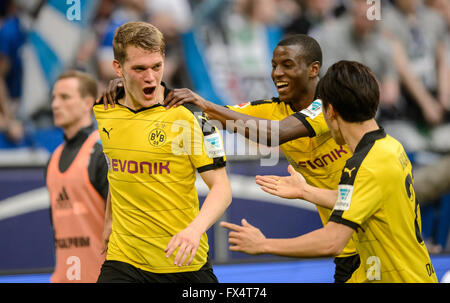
[376,198]
[153,155]
[317,157]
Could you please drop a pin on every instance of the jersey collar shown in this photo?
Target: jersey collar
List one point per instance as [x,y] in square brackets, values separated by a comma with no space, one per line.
[277,99]
[166,92]
[369,138]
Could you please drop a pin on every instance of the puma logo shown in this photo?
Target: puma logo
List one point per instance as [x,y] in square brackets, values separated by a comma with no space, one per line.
[349,171]
[107,131]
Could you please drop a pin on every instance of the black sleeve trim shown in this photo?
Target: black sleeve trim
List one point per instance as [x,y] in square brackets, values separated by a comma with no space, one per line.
[98,171]
[336,216]
[194,109]
[302,118]
[218,163]
[259,102]
[202,119]
[253,103]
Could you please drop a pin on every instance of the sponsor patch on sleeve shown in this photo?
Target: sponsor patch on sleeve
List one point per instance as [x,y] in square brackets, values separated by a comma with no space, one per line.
[345,193]
[214,146]
[242,105]
[313,110]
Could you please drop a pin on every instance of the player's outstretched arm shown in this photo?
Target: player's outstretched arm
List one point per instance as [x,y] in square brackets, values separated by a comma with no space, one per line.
[216,112]
[295,187]
[274,132]
[327,241]
[215,204]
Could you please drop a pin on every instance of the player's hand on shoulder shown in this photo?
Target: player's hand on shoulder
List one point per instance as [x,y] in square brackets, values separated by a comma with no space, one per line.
[112,91]
[180,96]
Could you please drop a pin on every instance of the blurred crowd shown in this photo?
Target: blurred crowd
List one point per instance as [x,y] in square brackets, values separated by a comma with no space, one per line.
[408,49]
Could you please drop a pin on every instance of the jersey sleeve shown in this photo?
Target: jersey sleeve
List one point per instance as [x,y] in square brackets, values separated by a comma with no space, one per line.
[98,170]
[313,119]
[206,150]
[357,200]
[262,109]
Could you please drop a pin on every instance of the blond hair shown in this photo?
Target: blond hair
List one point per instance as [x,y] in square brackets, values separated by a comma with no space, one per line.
[138,34]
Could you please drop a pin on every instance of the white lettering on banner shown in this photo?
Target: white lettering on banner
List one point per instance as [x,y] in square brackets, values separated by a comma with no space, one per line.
[446,277]
[73,12]
[374,11]
[74,271]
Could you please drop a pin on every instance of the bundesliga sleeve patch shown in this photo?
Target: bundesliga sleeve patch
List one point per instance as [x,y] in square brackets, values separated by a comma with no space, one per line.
[313,110]
[213,145]
[345,193]
[242,105]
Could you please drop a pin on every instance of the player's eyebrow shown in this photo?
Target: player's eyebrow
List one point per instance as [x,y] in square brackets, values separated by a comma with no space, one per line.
[145,66]
[157,64]
[61,95]
[142,66]
[284,61]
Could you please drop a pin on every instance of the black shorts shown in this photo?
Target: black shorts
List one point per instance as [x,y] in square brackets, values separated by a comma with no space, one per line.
[121,272]
[345,267]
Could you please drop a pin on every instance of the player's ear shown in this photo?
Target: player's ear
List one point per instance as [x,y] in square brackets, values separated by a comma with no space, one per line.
[334,113]
[329,111]
[90,101]
[314,69]
[118,68]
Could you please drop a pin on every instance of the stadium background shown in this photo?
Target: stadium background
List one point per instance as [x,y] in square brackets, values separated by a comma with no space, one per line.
[57,36]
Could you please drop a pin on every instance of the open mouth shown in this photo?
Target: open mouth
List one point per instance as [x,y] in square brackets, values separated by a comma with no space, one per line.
[281,84]
[148,91]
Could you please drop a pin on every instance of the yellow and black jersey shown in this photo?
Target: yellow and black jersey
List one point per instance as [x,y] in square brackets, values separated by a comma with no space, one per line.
[153,155]
[317,157]
[376,199]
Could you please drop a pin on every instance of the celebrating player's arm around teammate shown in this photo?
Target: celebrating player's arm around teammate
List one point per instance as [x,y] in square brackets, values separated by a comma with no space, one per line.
[293,119]
[158,232]
[375,201]
[76,178]
[296,64]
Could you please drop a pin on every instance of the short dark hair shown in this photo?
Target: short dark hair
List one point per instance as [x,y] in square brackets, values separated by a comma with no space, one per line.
[352,89]
[311,50]
[87,86]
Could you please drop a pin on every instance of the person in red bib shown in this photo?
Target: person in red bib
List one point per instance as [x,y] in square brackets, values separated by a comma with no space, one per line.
[77,182]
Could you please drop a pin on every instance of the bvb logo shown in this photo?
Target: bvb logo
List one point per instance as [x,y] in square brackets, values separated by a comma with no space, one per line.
[157,137]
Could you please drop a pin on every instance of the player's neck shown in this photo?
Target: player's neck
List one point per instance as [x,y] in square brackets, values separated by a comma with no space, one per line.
[307,97]
[354,132]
